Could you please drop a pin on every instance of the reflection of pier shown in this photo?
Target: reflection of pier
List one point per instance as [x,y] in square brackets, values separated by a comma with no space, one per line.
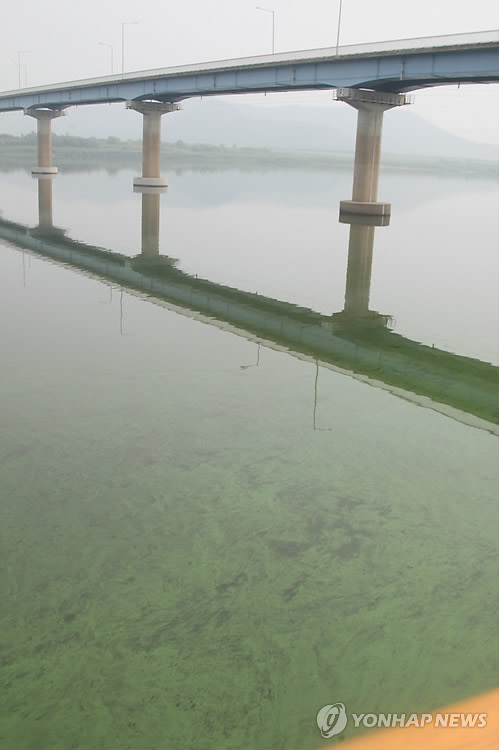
[355,340]
[356,313]
[45,218]
[45,226]
[151,214]
[150,225]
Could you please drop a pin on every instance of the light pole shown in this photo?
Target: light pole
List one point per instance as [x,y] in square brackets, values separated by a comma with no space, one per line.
[339,24]
[105,44]
[268,10]
[19,53]
[123,24]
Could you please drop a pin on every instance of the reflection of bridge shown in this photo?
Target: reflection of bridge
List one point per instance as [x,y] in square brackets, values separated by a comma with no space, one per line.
[355,340]
[371,78]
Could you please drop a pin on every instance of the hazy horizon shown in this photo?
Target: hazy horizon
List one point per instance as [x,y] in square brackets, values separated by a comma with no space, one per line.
[224,121]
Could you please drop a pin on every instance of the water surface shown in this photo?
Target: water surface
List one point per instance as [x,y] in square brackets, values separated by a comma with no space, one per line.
[205,539]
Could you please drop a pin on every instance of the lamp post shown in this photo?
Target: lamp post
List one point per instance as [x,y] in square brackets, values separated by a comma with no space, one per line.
[105,44]
[19,53]
[268,10]
[339,24]
[123,24]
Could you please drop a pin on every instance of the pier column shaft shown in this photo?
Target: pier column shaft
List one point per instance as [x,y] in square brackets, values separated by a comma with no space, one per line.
[44,119]
[44,143]
[151,145]
[367,153]
[151,140]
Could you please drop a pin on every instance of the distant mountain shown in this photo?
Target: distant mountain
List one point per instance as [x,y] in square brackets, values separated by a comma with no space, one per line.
[319,128]
[286,127]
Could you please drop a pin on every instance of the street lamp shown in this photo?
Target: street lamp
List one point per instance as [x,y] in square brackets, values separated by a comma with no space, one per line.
[123,24]
[267,10]
[19,53]
[338,34]
[105,44]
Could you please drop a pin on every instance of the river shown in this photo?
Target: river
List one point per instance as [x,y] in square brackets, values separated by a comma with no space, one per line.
[207,538]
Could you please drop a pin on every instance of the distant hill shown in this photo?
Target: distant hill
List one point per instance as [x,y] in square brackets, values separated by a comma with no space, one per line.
[318,128]
[229,123]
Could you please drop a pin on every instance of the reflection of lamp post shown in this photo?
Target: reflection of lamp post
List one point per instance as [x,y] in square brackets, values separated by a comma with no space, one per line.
[121,311]
[123,24]
[245,367]
[19,53]
[338,34]
[314,418]
[267,10]
[105,44]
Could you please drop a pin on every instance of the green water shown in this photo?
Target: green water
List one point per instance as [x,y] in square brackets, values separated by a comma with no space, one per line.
[188,563]
[205,541]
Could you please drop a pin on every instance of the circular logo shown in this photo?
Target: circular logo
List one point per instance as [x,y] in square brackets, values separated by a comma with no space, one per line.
[332,720]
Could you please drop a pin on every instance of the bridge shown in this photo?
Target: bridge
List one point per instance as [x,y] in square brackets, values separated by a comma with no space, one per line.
[398,66]
[355,341]
[370,77]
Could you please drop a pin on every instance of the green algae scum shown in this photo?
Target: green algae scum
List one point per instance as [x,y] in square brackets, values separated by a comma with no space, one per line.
[188,575]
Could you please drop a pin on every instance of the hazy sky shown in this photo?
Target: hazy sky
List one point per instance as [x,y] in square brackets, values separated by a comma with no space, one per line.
[59,40]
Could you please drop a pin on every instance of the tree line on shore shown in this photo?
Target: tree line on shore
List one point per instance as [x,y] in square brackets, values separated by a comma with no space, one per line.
[78,150]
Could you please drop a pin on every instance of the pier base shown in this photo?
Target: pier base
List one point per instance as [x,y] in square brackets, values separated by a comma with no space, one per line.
[365,208]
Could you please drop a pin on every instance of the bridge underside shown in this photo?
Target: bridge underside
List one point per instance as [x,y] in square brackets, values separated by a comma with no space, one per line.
[423,83]
[154,93]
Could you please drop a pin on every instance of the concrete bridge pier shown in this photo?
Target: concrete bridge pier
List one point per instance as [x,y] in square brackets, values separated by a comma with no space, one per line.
[151,140]
[44,119]
[370,106]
